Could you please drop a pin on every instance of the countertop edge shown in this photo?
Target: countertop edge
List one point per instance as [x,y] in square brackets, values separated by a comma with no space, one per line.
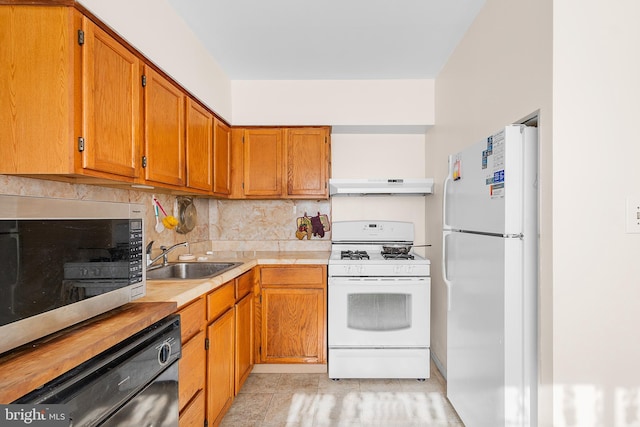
[182,292]
[37,363]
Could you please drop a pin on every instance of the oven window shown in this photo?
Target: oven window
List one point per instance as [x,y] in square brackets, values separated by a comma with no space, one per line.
[379,312]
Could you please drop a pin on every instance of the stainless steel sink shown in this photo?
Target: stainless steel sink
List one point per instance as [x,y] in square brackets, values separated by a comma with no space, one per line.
[189,270]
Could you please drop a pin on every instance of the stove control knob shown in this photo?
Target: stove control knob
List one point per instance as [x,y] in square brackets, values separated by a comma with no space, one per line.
[409,268]
[397,269]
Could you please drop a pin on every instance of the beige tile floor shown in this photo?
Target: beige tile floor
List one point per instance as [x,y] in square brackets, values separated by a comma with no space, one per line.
[313,400]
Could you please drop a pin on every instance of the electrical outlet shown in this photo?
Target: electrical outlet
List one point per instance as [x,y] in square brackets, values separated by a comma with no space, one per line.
[633,214]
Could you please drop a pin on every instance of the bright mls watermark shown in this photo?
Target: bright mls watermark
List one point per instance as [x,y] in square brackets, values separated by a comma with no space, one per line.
[34,415]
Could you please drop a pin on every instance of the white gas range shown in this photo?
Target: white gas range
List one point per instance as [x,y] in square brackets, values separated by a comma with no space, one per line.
[378,303]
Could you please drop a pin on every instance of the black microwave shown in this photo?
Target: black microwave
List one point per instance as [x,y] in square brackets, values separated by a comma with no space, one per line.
[63,261]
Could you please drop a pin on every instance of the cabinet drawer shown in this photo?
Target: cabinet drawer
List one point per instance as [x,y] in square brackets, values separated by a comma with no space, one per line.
[244,285]
[308,275]
[220,300]
[193,413]
[192,319]
[191,369]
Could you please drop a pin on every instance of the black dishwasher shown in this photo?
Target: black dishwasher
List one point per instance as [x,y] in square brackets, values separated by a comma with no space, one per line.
[134,383]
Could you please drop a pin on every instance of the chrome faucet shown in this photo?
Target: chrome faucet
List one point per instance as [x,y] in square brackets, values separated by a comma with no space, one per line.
[164,254]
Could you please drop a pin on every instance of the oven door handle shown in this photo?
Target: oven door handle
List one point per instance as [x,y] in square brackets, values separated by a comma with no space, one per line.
[445,276]
[378,284]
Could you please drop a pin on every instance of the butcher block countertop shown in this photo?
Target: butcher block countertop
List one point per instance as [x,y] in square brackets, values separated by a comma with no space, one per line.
[37,363]
[184,291]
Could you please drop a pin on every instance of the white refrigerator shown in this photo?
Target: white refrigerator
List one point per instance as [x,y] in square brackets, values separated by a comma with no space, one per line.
[490,241]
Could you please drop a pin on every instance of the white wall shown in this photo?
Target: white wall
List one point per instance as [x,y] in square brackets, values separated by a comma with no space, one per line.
[390,117]
[596,268]
[380,156]
[156,30]
[333,102]
[498,74]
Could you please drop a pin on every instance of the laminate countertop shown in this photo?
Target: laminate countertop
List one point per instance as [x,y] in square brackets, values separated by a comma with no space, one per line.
[34,364]
[184,291]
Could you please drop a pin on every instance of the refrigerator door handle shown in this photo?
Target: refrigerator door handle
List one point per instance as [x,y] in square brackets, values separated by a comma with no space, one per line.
[445,277]
[448,179]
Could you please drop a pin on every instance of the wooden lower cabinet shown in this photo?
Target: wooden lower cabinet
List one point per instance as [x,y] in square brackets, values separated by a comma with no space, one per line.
[192,364]
[193,414]
[220,367]
[244,340]
[230,343]
[293,314]
[192,369]
[217,351]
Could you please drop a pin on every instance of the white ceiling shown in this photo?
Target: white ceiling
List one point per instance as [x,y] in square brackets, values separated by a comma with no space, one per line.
[329,39]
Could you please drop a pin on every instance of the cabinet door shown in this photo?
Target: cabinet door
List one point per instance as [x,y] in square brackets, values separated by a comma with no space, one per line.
[293,325]
[307,162]
[262,162]
[164,130]
[112,105]
[244,340]
[220,358]
[199,147]
[37,79]
[221,159]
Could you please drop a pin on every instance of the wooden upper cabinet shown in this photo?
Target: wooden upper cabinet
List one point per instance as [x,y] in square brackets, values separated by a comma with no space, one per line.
[307,162]
[112,104]
[38,77]
[262,152]
[221,158]
[70,96]
[164,147]
[199,147]
[73,105]
[289,163]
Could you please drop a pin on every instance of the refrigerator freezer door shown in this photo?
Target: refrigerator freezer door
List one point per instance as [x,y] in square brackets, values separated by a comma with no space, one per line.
[484,190]
[485,329]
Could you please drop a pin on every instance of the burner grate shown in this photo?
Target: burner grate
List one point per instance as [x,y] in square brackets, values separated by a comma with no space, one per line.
[387,255]
[354,255]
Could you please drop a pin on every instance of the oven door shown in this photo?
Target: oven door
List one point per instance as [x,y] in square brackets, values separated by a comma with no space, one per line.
[367,312]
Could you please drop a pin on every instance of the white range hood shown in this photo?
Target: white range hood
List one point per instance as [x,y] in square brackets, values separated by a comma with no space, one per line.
[381,186]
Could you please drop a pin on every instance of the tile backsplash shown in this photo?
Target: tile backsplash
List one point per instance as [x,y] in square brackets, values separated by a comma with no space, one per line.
[222,225]
[264,224]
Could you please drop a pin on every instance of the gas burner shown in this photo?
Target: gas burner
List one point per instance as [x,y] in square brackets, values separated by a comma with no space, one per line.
[387,255]
[354,255]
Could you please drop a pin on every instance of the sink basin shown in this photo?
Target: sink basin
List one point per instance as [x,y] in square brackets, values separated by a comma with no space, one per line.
[189,270]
